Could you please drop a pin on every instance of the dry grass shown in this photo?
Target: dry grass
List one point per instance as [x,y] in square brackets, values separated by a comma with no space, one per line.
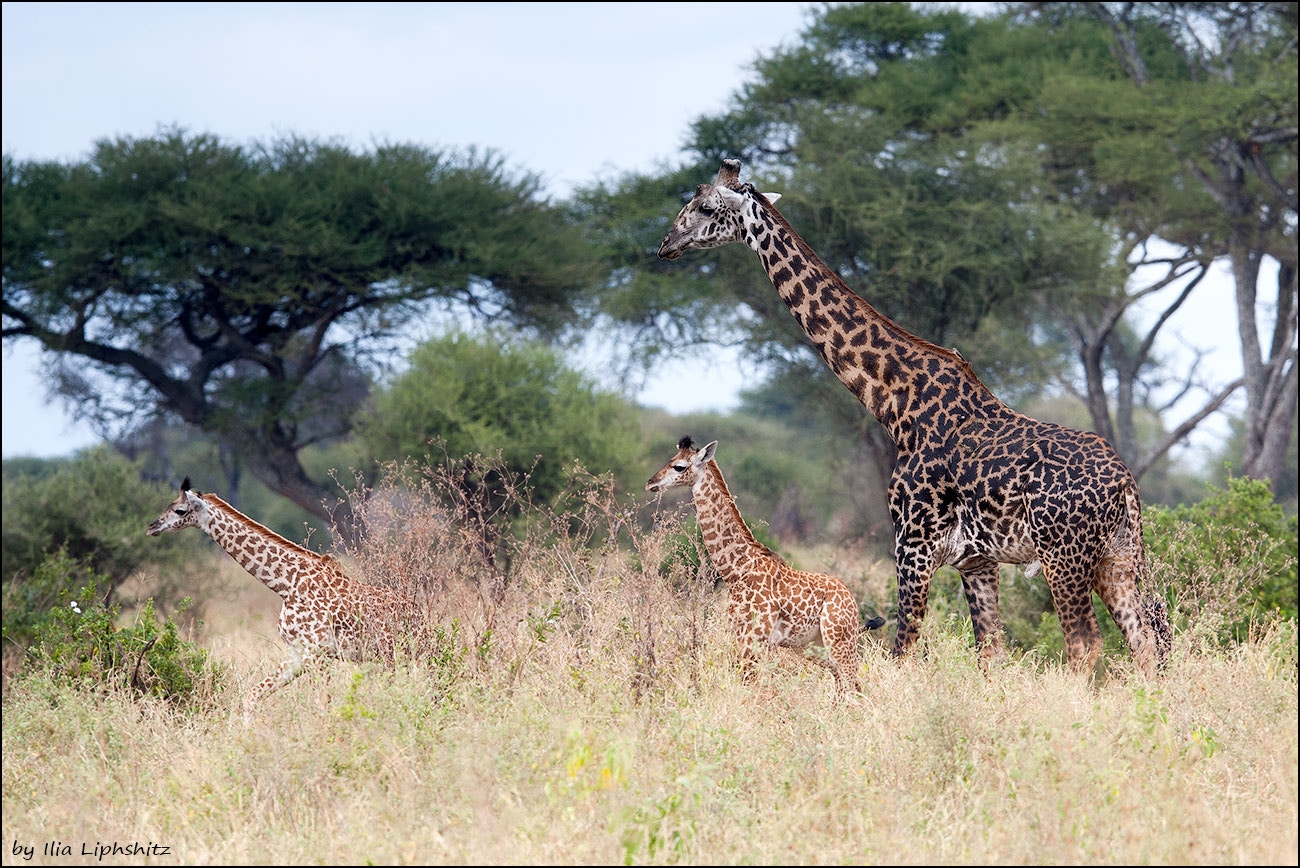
[591,713]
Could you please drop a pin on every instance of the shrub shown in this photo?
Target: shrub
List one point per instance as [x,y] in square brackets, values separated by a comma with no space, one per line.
[27,603]
[496,394]
[79,642]
[1229,559]
[513,409]
[95,508]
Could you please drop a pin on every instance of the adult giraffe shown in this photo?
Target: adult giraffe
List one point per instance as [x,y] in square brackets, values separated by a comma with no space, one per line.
[975,483]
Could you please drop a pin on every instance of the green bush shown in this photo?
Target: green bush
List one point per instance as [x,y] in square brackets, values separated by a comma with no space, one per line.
[29,602]
[493,393]
[1223,563]
[95,508]
[79,642]
[1230,558]
[504,421]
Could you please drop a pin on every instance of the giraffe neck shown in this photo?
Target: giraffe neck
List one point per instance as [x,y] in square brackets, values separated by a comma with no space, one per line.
[891,371]
[731,546]
[266,555]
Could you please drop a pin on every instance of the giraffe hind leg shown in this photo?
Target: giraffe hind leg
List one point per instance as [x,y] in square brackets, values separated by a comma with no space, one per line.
[287,671]
[1071,588]
[1115,581]
[915,567]
[841,662]
[840,634]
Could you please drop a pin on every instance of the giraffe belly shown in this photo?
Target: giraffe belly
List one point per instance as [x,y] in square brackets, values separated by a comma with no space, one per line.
[1006,541]
[798,635]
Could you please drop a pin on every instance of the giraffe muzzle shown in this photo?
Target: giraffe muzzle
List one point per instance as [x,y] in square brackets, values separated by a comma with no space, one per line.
[670,249]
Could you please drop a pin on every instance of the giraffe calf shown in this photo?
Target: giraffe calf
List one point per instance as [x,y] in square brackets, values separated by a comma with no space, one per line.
[769,603]
[324,613]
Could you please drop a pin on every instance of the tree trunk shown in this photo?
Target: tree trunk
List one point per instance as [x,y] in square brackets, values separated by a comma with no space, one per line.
[278,468]
[1270,382]
[1092,346]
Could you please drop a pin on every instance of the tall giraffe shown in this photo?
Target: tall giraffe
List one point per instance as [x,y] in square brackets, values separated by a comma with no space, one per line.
[768,602]
[975,483]
[324,613]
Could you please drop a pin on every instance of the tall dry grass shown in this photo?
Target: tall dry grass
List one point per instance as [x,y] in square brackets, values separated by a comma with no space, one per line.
[588,710]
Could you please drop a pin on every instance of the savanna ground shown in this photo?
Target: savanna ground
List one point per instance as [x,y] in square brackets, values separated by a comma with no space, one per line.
[591,712]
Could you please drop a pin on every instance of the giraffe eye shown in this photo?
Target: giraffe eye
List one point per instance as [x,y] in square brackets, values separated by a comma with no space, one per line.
[180,510]
[707,210]
[680,468]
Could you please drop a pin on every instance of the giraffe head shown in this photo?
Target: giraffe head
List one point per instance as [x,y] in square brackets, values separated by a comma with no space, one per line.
[182,512]
[715,215]
[684,468]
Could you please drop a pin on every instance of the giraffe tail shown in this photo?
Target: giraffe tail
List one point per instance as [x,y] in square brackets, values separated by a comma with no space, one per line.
[873,623]
[1153,604]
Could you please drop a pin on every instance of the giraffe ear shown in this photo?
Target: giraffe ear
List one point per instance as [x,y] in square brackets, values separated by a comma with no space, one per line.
[730,198]
[705,455]
[771,197]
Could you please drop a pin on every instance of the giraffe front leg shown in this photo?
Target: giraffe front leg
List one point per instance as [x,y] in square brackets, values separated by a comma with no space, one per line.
[744,622]
[979,580]
[287,671]
[748,660]
[915,566]
[914,555]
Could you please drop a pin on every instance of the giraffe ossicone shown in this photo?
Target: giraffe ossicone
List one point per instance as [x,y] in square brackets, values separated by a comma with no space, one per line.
[975,483]
[769,603]
[323,612]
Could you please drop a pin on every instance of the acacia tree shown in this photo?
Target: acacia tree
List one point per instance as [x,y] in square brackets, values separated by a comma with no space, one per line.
[987,182]
[1234,136]
[247,290]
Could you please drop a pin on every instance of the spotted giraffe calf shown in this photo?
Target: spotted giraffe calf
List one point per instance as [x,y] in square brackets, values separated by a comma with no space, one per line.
[324,613]
[769,602]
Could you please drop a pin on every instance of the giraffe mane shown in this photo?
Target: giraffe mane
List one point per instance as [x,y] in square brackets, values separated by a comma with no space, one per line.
[738,518]
[264,531]
[810,255]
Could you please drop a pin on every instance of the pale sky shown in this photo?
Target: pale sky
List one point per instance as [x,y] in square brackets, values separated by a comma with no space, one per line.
[572,91]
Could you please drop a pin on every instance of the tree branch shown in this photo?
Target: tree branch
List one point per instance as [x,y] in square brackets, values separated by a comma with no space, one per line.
[1188,425]
[1124,48]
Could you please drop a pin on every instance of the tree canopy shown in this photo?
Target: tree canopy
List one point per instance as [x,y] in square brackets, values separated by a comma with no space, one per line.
[489,411]
[247,289]
[991,182]
[494,394]
[1216,82]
